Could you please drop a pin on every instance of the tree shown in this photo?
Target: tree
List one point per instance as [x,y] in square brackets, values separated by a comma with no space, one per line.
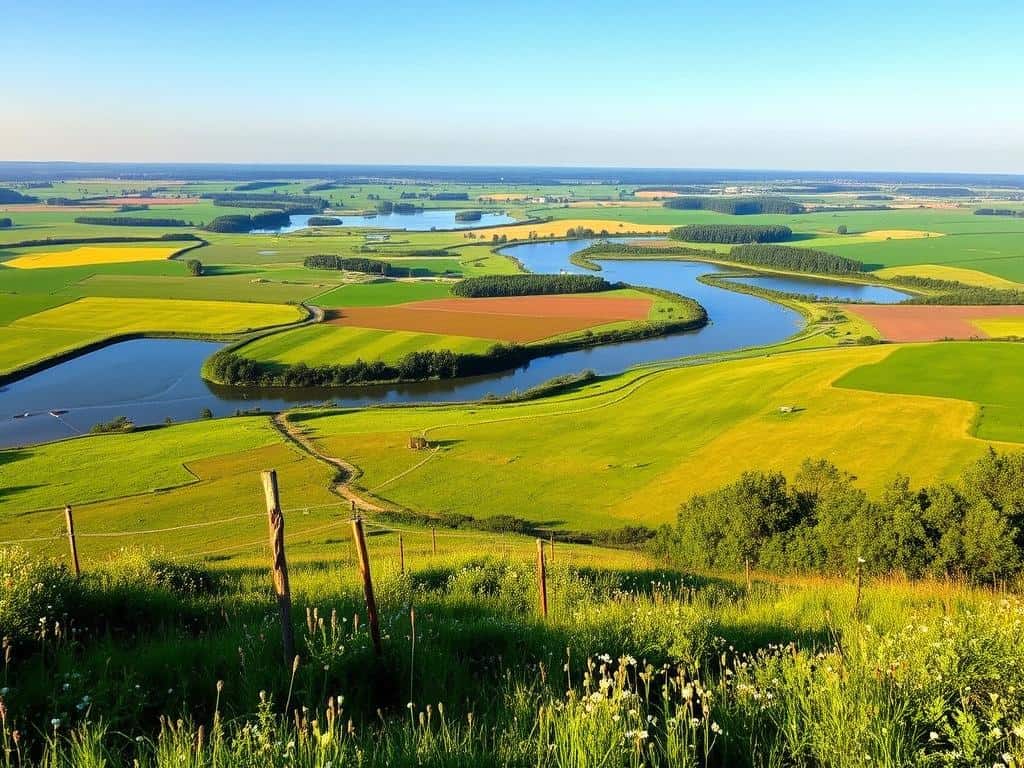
[842,229]
[195,267]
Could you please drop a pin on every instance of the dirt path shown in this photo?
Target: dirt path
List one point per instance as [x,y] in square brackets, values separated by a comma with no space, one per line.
[348,472]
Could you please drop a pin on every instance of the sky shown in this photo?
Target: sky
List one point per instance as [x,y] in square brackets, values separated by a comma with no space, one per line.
[894,85]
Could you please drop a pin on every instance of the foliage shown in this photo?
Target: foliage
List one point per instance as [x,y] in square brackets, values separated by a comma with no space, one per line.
[732,233]
[822,522]
[324,221]
[246,223]
[13,196]
[6,223]
[468,215]
[997,212]
[953,292]
[348,263]
[530,285]
[450,196]
[736,206]
[130,221]
[797,259]
[934,191]
[194,267]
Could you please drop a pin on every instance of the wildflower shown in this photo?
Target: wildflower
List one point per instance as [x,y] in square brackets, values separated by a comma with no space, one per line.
[716,728]
[55,722]
[933,736]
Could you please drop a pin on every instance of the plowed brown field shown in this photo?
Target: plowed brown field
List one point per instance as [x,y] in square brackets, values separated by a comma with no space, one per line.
[930,323]
[519,319]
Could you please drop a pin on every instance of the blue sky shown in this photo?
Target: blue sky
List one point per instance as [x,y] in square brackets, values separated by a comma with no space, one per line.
[902,85]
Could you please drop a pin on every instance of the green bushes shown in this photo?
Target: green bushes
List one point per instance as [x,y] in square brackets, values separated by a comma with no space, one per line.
[821,522]
[450,196]
[468,215]
[348,263]
[323,221]
[997,212]
[130,221]
[797,259]
[385,207]
[6,223]
[952,292]
[731,233]
[529,285]
[240,222]
[736,206]
[119,424]
[194,267]
[13,196]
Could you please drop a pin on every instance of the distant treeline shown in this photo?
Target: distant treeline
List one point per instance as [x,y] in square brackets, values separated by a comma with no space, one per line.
[131,221]
[735,206]
[240,222]
[324,221]
[348,263]
[810,188]
[322,186]
[874,197]
[530,285]
[6,223]
[253,186]
[388,206]
[997,212]
[450,196]
[13,196]
[934,191]
[674,188]
[468,215]
[289,203]
[797,259]
[732,233]
[954,293]
[821,522]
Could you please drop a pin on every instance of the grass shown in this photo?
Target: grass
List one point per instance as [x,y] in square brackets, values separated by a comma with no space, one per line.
[382,293]
[333,344]
[635,446]
[89,254]
[961,371]
[941,272]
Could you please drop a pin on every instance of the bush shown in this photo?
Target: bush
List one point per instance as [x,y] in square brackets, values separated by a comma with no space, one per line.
[34,594]
[195,267]
[842,229]
[6,223]
[324,221]
[468,215]
[120,424]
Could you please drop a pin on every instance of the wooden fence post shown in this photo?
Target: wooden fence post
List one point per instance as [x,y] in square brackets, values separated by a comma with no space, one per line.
[542,579]
[551,547]
[364,571]
[433,539]
[401,554]
[69,522]
[746,571]
[860,584]
[279,564]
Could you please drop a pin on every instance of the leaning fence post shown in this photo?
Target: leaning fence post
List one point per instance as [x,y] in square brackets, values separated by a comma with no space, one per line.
[433,539]
[69,521]
[279,564]
[364,570]
[542,579]
[401,554]
[860,584]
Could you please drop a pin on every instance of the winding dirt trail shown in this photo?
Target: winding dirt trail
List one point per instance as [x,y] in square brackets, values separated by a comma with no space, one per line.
[348,472]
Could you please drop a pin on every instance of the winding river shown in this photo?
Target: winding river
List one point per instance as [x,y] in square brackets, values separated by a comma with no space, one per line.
[150,380]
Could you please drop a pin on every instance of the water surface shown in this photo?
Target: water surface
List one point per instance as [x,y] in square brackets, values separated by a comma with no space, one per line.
[421,221]
[827,290]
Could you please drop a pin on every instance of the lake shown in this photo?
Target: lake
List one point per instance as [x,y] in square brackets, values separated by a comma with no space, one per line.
[827,290]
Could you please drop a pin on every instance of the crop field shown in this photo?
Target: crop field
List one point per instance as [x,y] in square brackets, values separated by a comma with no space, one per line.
[383,293]
[91,254]
[955,274]
[329,344]
[989,374]
[537,460]
[934,323]
[518,319]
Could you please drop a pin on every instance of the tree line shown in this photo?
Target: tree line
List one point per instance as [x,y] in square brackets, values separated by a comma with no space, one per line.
[14,196]
[389,206]
[468,215]
[732,233]
[797,259]
[997,212]
[253,186]
[240,222]
[131,221]
[6,223]
[324,221]
[348,263]
[735,206]
[450,196]
[530,285]
[934,191]
[955,293]
[821,522]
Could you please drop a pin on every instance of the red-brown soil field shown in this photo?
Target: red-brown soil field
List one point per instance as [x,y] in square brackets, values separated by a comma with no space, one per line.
[920,322]
[519,319]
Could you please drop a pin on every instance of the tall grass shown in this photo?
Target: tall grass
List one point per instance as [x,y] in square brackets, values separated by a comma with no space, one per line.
[142,664]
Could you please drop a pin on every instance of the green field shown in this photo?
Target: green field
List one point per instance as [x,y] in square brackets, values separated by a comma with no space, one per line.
[382,293]
[988,374]
[339,345]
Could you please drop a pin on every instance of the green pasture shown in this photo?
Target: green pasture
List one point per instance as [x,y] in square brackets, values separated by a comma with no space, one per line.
[381,293]
[989,374]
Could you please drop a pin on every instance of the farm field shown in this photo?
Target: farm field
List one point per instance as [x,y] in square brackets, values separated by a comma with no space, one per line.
[382,293]
[963,371]
[935,322]
[91,254]
[713,421]
[956,274]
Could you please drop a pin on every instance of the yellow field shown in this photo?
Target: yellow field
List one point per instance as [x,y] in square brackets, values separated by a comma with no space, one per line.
[896,234]
[647,194]
[940,272]
[113,316]
[559,228]
[500,197]
[612,204]
[713,422]
[93,254]
[1002,327]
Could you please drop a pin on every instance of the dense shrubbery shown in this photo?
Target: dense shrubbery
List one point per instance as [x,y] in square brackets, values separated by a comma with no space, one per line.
[951,292]
[6,223]
[731,233]
[797,259]
[386,207]
[324,221]
[130,221]
[349,263]
[119,424]
[291,203]
[736,206]
[529,285]
[821,522]
[194,267]
[468,215]
[14,196]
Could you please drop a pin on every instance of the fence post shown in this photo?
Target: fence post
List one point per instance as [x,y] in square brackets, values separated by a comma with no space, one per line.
[69,522]
[746,571]
[401,555]
[364,570]
[433,539]
[279,564]
[542,579]
[551,547]
[860,584]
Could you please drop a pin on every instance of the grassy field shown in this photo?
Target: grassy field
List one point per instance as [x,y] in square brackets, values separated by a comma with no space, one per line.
[383,293]
[85,255]
[959,371]
[338,345]
[637,445]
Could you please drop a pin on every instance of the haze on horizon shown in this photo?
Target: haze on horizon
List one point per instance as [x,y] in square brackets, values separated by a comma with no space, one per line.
[915,86]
